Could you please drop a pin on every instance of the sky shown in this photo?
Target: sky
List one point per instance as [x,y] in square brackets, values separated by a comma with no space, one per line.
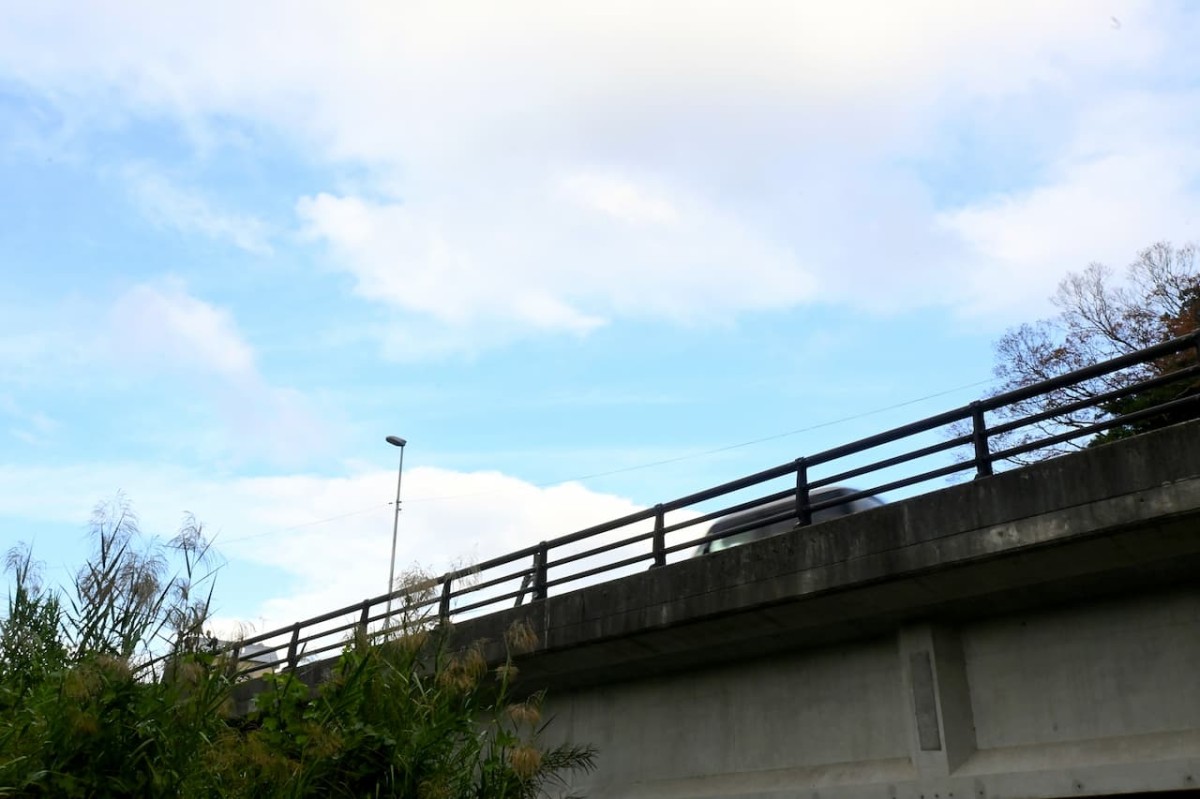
[584,257]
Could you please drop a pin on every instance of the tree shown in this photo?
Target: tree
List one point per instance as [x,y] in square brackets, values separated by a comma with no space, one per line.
[1101,318]
[404,718]
[84,713]
[75,718]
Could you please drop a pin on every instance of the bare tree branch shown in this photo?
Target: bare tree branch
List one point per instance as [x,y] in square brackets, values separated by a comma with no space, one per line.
[1100,317]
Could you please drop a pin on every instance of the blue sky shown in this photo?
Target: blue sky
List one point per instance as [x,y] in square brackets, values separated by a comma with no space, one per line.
[572,252]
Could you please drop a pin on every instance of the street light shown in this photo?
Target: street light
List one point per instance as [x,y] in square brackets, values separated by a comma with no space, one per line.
[395,441]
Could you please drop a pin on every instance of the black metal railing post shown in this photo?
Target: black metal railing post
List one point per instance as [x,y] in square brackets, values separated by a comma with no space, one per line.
[539,571]
[526,579]
[444,603]
[660,538]
[363,618]
[803,506]
[979,435]
[293,646]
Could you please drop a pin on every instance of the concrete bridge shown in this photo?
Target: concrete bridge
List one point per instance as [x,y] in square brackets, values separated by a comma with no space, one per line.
[1031,634]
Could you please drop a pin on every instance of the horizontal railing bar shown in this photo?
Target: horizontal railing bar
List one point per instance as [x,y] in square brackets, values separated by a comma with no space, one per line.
[819,505]
[1043,443]
[1092,402]
[708,517]
[754,524]
[887,463]
[683,545]
[755,503]
[569,578]
[473,587]
[1008,398]
[766,475]
[408,600]
[314,635]
[852,495]
[751,504]
[1013,397]
[1086,373]
[1107,424]
[775,518]
[683,525]
[324,617]
[317,636]
[520,554]
[489,601]
[924,477]
[312,653]
[675,504]
[590,553]
[888,436]
[748,526]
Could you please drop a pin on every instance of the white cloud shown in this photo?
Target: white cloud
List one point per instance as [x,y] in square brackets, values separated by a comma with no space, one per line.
[544,264]
[538,166]
[619,198]
[464,518]
[165,325]
[375,82]
[31,427]
[415,259]
[190,354]
[1127,180]
[169,205]
[161,328]
[531,167]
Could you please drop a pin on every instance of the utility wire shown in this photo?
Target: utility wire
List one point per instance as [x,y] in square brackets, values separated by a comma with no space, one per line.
[727,448]
[308,524]
[625,469]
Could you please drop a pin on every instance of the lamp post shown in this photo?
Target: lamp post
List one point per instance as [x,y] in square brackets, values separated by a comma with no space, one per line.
[395,441]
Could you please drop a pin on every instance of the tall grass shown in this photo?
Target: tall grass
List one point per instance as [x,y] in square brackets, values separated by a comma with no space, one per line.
[407,717]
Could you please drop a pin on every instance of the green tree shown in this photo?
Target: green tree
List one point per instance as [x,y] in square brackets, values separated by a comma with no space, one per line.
[1101,317]
[110,694]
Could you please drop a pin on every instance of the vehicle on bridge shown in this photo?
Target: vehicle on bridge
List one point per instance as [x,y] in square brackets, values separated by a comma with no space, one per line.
[779,517]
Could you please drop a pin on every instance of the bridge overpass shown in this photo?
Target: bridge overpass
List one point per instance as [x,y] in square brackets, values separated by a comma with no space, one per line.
[1034,633]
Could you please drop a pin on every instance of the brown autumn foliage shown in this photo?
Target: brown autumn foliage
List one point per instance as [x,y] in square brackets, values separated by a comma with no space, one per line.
[1102,316]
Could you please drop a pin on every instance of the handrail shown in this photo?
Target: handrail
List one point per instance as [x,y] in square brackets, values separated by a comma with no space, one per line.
[528,569]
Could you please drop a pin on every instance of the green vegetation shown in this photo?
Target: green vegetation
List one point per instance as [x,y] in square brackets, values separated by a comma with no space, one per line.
[84,713]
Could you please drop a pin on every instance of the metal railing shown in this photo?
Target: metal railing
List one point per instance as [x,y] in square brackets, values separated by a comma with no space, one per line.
[668,530]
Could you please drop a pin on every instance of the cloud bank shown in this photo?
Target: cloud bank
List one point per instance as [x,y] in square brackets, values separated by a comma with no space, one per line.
[325,540]
[548,168]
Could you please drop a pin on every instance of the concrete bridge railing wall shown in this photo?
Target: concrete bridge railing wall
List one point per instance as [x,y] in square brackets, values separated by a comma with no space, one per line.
[1033,634]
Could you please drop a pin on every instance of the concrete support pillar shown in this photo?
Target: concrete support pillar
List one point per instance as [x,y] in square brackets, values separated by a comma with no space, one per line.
[934,683]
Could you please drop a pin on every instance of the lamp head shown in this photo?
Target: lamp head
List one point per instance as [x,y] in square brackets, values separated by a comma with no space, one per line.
[396,441]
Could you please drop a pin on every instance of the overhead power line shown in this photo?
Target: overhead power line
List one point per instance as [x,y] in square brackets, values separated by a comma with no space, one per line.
[717,450]
[624,469]
[313,523]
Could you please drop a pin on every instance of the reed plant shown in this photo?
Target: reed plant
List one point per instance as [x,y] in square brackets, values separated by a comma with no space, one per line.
[108,690]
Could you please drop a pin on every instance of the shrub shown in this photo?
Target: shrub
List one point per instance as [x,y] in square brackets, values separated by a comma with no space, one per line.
[108,694]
